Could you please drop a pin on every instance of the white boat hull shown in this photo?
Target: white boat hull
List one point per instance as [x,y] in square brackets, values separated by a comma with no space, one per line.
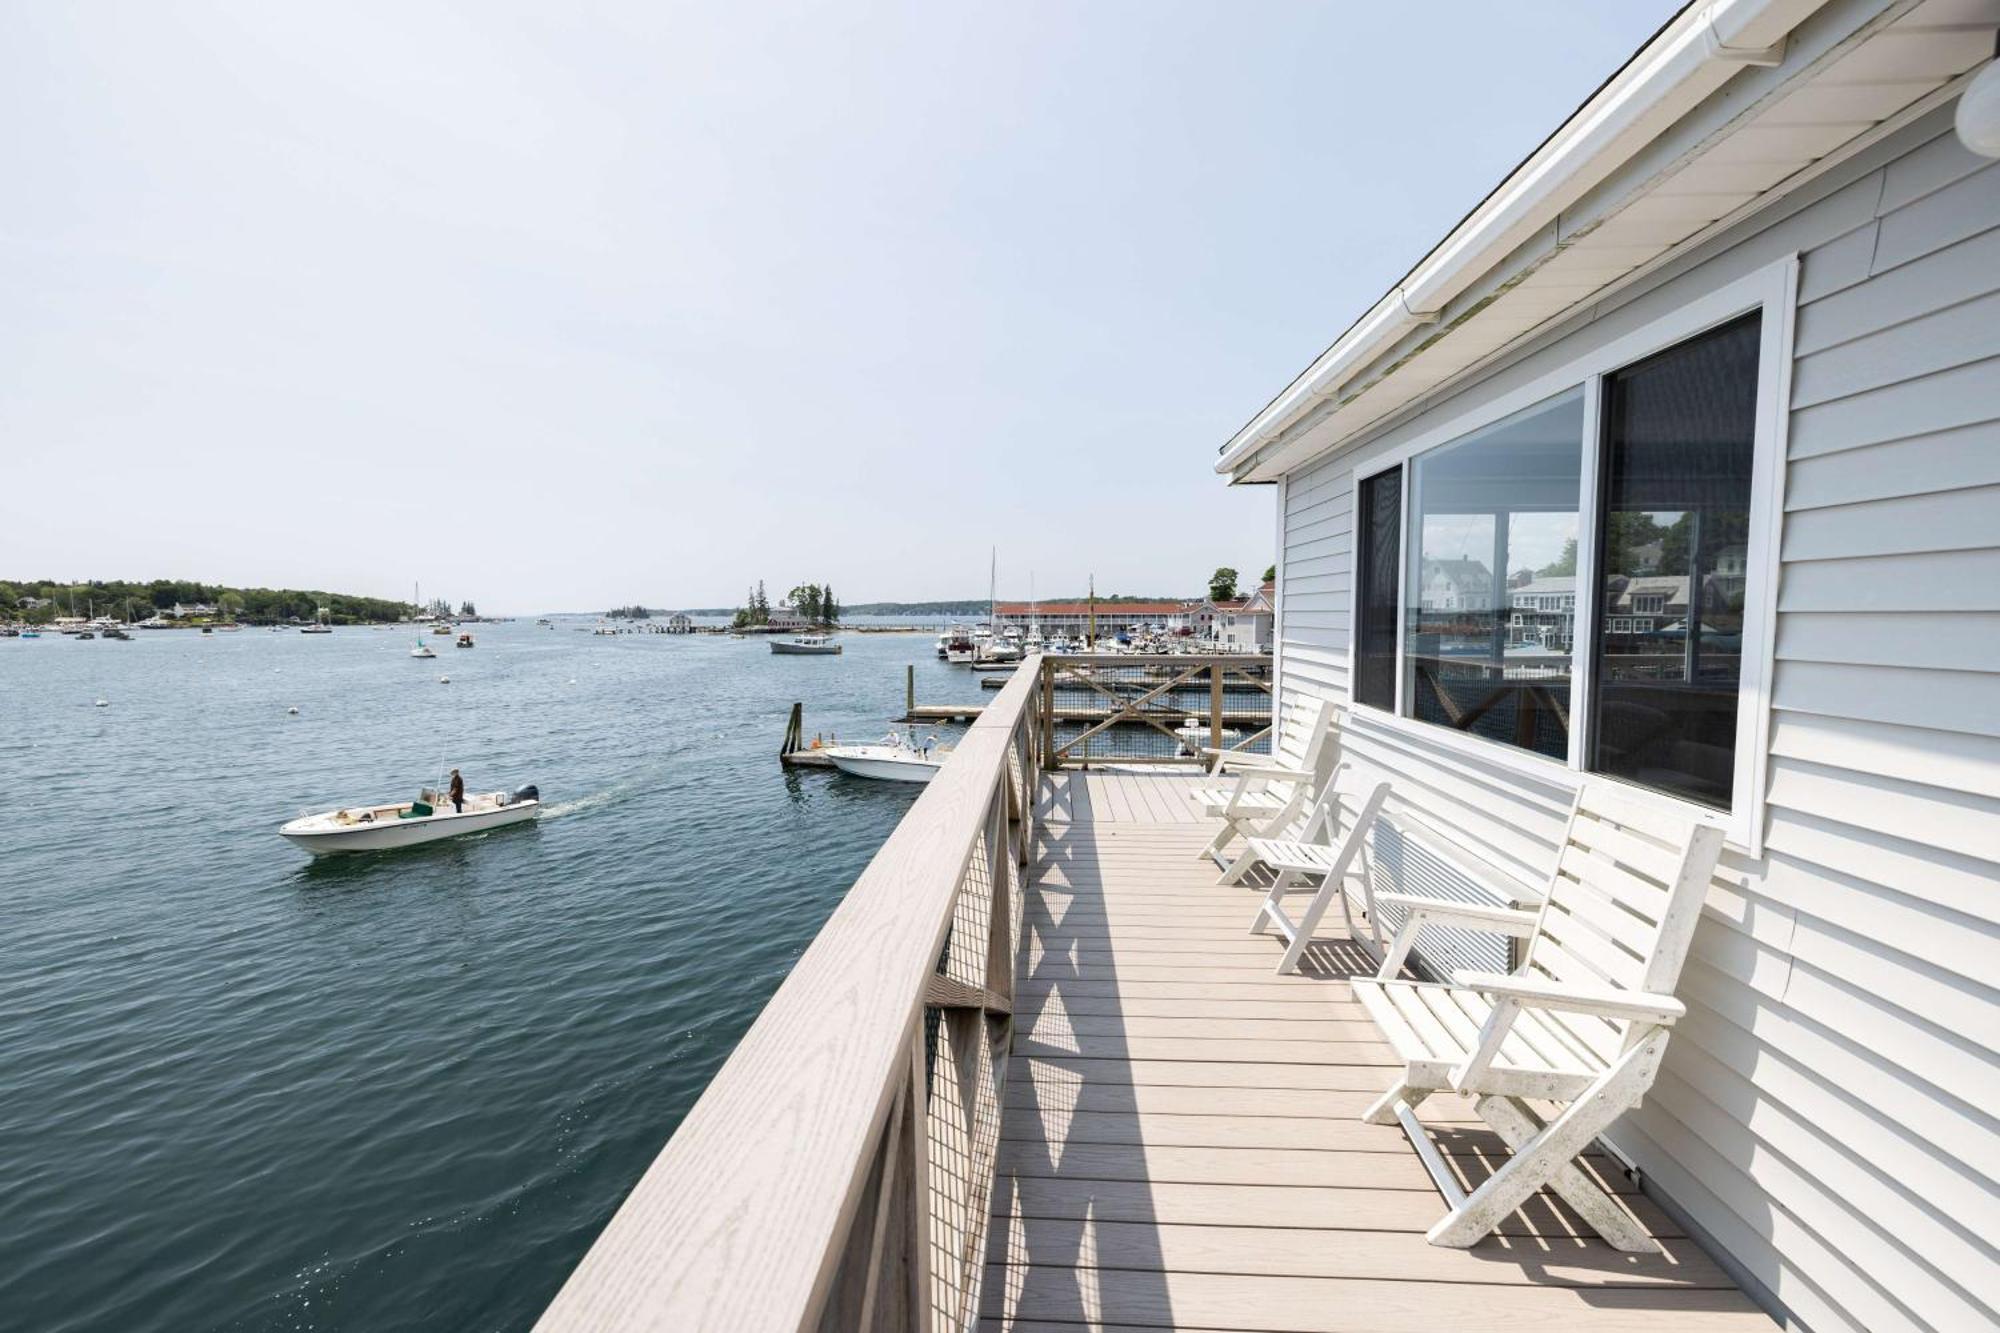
[324,835]
[783,649]
[884,762]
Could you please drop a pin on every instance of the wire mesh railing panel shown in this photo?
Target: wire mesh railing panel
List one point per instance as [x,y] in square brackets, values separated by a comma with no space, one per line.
[1154,709]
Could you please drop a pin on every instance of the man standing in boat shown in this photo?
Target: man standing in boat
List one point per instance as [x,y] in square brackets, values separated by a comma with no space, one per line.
[457,792]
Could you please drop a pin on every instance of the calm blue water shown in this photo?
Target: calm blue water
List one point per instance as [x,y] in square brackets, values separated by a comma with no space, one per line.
[242,1089]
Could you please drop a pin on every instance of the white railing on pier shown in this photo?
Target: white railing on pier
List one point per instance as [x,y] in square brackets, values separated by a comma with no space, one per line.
[836,1173]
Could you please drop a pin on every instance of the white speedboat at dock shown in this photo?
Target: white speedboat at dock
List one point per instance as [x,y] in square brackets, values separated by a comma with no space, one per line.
[897,758]
[375,828]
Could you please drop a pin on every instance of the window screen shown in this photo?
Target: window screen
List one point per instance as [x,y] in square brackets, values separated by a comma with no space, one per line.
[1679,434]
[1380,543]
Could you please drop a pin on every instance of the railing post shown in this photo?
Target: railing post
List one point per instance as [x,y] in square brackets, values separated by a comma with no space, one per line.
[1215,704]
[1048,706]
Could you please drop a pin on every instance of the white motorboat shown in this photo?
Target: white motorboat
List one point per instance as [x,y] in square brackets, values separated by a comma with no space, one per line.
[422,650]
[897,758]
[375,828]
[806,645]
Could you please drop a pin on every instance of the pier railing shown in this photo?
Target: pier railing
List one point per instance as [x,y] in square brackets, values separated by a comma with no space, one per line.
[1160,709]
[836,1173]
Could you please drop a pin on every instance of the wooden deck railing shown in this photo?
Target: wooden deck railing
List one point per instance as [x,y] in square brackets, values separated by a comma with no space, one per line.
[836,1173]
[1130,708]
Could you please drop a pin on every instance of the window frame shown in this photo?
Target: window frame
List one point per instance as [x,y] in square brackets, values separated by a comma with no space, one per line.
[1770,291]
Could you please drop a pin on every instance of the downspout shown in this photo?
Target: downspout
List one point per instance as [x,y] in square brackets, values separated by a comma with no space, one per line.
[1660,85]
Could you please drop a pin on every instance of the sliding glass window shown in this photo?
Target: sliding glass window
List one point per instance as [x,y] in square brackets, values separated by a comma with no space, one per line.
[1489,592]
[1380,542]
[1679,440]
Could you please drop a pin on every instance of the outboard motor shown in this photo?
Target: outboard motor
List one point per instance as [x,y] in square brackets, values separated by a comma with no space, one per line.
[527,793]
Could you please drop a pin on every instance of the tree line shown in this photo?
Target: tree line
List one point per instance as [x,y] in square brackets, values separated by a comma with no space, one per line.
[138,600]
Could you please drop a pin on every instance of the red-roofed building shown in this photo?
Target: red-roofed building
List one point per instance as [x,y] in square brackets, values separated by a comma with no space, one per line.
[1073,618]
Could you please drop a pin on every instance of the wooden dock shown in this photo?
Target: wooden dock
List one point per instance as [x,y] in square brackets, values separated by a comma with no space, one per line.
[1180,1145]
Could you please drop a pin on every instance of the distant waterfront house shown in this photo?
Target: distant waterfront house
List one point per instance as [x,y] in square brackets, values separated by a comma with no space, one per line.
[680,623]
[1732,335]
[192,611]
[785,617]
[1245,625]
[1543,611]
[1456,585]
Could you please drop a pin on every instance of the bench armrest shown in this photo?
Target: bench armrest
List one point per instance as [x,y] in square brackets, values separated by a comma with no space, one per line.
[1602,1001]
[1500,920]
[1269,773]
[1417,911]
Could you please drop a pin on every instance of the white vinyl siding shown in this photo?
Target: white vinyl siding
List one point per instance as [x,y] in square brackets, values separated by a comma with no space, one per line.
[1827,1113]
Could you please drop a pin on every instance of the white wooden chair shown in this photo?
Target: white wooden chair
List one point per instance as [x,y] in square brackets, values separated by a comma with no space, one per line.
[1249,792]
[1582,1022]
[1330,843]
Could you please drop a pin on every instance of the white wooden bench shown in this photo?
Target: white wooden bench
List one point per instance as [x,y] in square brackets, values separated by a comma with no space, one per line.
[1583,1021]
[1251,792]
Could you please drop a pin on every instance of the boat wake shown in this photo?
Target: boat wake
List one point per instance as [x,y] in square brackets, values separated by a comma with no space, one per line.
[557,809]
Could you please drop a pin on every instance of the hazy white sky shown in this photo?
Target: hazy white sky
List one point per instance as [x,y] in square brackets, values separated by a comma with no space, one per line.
[562,306]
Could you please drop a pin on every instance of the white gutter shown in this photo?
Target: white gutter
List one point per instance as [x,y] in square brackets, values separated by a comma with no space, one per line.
[1689,60]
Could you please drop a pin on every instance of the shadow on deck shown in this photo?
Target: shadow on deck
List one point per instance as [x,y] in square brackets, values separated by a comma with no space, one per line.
[1182,1144]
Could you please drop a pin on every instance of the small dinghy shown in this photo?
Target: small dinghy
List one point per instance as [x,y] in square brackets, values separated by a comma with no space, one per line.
[375,828]
[897,758]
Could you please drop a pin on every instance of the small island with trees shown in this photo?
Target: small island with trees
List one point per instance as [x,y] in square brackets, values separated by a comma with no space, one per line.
[808,606]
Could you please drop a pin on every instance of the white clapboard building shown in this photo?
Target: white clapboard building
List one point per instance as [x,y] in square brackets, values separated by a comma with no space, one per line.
[1677,461]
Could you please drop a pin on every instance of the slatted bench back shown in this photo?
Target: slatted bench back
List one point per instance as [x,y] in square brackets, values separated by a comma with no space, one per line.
[1305,732]
[1622,904]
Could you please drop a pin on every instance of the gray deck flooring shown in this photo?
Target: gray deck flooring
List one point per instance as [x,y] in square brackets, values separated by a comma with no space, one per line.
[1181,1145]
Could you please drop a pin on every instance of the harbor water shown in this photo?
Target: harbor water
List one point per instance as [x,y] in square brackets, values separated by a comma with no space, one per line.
[244,1089]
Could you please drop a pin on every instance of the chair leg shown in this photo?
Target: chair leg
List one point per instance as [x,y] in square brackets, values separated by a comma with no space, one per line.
[1279,887]
[1329,888]
[1234,872]
[1223,837]
[1537,1161]
[1515,1123]
[1383,1111]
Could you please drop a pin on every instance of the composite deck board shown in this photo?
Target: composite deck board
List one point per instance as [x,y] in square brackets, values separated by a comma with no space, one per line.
[1181,1144]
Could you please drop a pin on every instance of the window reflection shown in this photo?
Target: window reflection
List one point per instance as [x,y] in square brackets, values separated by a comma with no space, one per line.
[1679,433]
[1490,594]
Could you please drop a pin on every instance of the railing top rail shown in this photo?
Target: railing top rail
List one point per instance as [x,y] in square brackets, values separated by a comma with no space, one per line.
[1153,659]
[739,1222]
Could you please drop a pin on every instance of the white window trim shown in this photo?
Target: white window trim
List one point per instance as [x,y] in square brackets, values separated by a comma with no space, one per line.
[1772,291]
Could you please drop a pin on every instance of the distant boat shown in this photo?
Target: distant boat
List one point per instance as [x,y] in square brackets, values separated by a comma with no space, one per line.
[464,641]
[896,759]
[384,827]
[806,645]
[319,626]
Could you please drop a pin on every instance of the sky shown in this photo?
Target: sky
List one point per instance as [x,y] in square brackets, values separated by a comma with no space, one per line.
[562,307]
